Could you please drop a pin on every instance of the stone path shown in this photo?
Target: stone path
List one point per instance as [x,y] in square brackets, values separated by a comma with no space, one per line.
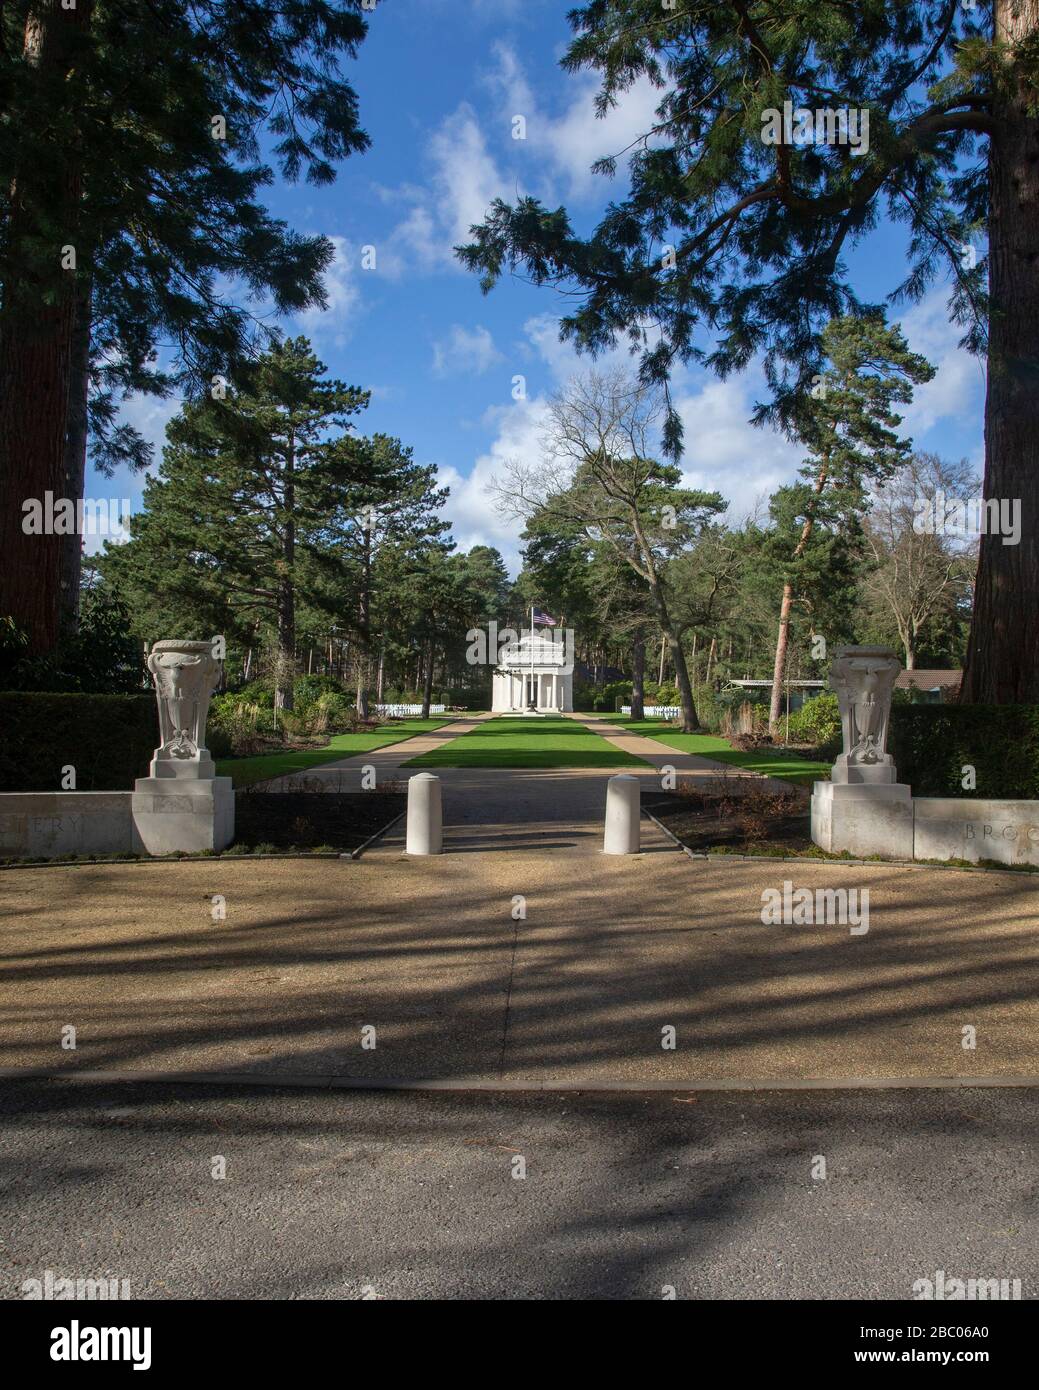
[691,766]
[344,774]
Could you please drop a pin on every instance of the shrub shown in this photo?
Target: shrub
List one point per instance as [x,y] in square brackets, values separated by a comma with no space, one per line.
[108,739]
[309,690]
[747,719]
[237,725]
[818,722]
[932,744]
[662,694]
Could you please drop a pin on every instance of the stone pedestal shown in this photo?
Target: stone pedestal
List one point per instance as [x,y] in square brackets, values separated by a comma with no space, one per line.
[182,814]
[863,819]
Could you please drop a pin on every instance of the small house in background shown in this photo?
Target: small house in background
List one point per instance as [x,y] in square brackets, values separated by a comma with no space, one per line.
[798,690]
[933,687]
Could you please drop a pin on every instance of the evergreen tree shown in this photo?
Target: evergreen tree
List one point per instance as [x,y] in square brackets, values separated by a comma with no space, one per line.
[397,505]
[738,221]
[848,423]
[130,168]
[255,501]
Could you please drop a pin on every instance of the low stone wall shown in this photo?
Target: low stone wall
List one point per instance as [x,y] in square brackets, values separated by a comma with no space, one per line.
[865,821]
[55,824]
[156,818]
[946,827]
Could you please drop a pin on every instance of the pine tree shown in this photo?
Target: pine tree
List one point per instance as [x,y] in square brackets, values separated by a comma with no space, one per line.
[130,164]
[848,423]
[255,500]
[737,221]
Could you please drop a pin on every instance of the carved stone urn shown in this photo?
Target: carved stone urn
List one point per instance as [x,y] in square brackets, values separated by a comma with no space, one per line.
[864,678]
[185,676]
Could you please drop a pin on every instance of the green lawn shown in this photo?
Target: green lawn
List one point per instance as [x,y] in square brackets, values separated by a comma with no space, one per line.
[528,743]
[770,762]
[246,771]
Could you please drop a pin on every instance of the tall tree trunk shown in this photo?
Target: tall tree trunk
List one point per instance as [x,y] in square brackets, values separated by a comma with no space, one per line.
[37,328]
[779,665]
[638,676]
[1002,664]
[690,719]
[775,710]
[363,625]
[427,693]
[286,660]
[663,649]
[73,485]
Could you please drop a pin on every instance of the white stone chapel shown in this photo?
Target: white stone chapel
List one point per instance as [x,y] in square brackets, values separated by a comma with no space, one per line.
[533,674]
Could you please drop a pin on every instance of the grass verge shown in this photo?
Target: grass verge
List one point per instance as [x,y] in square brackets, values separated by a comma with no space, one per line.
[245,772]
[528,743]
[769,762]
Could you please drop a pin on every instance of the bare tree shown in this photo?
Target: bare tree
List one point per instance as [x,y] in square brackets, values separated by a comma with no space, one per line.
[597,473]
[918,573]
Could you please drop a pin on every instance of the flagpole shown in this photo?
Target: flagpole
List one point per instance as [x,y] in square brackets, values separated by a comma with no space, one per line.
[533,699]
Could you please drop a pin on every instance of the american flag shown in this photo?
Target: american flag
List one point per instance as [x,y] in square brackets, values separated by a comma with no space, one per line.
[542,619]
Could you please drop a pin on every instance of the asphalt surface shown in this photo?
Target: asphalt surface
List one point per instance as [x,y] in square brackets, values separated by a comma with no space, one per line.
[338,1195]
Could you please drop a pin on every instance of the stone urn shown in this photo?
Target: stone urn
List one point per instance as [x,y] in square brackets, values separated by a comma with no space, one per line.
[864,678]
[185,676]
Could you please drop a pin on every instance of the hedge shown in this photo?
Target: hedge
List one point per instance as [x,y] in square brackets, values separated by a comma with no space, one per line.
[932,744]
[108,739]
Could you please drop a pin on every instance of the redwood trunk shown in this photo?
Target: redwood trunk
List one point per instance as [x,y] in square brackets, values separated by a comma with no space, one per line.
[1002,664]
[363,627]
[75,464]
[37,331]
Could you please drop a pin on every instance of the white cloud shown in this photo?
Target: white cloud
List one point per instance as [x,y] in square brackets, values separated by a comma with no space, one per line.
[335,322]
[465,350]
[571,142]
[956,393]
[477,516]
[725,453]
[464,181]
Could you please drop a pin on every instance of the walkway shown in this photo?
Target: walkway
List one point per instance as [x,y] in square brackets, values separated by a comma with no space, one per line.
[691,766]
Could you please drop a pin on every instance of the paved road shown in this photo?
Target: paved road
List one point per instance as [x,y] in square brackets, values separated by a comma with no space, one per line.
[328,1195]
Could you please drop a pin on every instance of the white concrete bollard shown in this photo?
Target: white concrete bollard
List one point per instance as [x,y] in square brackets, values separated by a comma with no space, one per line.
[622,815]
[425,817]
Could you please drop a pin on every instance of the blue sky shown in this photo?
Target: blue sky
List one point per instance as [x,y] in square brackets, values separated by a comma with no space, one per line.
[439,83]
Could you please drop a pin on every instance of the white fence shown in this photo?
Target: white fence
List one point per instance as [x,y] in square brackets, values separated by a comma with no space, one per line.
[403,711]
[656,711]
